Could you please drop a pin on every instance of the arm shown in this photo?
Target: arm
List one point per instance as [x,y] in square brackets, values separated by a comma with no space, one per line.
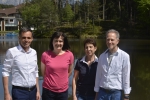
[71,64]
[74,81]
[42,69]
[7,95]
[5,73]
[126,76]
[96,96]
[70,70]
[37,83]
[38,89]
[98,77]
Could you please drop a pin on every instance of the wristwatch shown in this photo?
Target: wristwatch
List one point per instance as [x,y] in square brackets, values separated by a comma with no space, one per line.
[126,96]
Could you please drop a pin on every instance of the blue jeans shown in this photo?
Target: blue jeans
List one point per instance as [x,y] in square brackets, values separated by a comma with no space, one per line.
[50,95]
[82,97]
[109,94]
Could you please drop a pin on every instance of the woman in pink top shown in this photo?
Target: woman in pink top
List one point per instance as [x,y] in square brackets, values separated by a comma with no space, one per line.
[56,67]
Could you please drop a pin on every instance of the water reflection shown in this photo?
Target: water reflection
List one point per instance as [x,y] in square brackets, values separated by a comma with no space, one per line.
[137,49]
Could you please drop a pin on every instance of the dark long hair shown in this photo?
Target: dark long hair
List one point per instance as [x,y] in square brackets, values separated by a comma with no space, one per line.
[57,35]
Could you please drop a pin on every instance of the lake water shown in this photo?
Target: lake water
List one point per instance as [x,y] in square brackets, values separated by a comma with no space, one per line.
[139,51]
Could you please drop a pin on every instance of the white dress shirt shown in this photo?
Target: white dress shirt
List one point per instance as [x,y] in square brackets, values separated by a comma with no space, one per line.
[115,75]
[21,65]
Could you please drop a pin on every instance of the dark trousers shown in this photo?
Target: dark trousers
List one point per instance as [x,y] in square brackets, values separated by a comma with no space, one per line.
[49,95]
[83,97]
[23,94]
[113,94]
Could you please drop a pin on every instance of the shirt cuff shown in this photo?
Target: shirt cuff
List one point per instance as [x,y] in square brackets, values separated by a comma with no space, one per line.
[37,75]
[127,91]
[96,89]
[4,74]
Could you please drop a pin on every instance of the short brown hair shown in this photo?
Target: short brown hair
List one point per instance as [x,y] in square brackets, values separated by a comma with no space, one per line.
[90,41]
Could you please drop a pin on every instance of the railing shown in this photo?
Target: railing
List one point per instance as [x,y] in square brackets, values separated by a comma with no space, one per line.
[11,24]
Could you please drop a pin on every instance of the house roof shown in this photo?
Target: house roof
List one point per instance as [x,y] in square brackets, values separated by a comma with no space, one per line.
[9,11]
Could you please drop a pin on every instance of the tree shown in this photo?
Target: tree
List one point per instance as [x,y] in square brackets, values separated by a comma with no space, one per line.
[5,6]
[94,6]
[144,9]
[67,13]
[30,13]
[48,14]
[104,3]
[144,14]
[41,14]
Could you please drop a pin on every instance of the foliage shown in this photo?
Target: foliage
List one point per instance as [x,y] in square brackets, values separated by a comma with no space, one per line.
[144,10]
[40,14]
[94,6]
[67,13]
[48,14]
[30,14]
[129,17]
[5,6]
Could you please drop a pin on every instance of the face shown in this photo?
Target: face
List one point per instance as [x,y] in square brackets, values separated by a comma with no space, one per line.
[58,43]
[112,41]
[25,40]
[89,49]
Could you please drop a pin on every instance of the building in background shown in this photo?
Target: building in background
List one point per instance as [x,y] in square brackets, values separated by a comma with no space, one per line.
[10,19]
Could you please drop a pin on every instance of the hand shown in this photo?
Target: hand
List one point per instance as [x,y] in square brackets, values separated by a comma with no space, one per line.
[126,99]
[7,97]
[74,98]
[96,96]
[38,96]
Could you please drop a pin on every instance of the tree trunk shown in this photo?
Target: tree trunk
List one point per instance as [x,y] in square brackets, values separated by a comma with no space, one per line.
[104,2]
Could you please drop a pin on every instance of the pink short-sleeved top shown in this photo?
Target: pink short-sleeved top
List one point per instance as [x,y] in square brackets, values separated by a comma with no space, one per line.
[56,70]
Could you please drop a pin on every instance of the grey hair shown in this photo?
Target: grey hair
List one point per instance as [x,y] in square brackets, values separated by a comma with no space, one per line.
[113,31]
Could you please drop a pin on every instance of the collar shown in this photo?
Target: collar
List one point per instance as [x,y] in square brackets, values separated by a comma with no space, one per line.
[83,59]
[22,50]
[118,50]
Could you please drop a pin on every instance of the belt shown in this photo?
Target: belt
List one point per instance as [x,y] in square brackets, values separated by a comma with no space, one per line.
[25,88]
[109,90]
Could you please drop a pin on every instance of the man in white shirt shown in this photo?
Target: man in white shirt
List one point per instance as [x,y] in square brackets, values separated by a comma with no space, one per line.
[113,71]
[21,64]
